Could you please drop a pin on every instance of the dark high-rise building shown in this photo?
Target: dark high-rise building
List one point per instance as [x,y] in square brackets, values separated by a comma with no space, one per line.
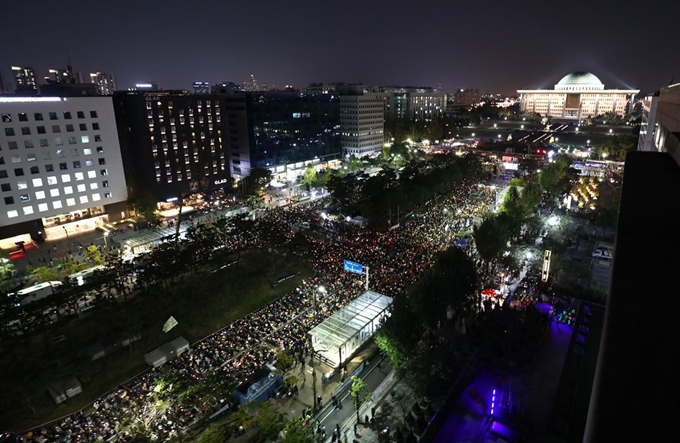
[270,129]
[201,88]
[172,143]
[466,97]
[225,88]
[25,80]
[3,87]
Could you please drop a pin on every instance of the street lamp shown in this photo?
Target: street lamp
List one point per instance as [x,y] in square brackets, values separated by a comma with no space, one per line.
[106,245]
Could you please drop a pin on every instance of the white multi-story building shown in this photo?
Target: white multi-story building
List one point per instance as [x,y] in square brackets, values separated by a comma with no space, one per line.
[577,96]
[660,129]
[60,167]
[362,124]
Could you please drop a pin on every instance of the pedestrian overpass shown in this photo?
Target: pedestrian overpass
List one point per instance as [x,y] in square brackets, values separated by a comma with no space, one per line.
[341,334]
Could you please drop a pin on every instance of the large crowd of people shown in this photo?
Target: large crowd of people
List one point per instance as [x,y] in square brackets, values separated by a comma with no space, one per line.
[228,357]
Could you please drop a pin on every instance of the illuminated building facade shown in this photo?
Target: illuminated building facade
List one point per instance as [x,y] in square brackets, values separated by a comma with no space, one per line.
[24,79]
[172,143]
[577,96]
[61,169]
[106,84]
[276,128]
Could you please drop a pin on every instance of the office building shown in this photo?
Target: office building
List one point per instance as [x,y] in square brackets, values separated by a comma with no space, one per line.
[281,130]
[577,96]
[59,76]
[251,85]
[201,88]
[411,102]
[61,170]
[362,124]
[225,88]
[466,97]
[172,143]
[25,80]
[106,84]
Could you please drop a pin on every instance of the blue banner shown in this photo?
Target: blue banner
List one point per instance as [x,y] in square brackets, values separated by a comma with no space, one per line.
[356,268]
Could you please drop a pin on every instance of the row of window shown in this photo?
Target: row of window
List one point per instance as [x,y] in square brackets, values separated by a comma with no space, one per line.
[25,130]
[38,116]
[56,129]
[52,180]
[57,204]
[47,155]
[55,192]
[19,172]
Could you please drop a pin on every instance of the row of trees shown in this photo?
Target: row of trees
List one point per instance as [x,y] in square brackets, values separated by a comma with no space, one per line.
[391,191]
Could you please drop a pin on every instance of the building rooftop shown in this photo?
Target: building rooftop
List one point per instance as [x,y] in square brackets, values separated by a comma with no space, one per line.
[580,78]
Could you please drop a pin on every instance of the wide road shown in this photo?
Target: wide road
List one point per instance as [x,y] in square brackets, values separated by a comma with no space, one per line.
[373,376]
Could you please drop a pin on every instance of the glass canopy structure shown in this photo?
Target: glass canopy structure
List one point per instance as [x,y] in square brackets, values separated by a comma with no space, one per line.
[336,339]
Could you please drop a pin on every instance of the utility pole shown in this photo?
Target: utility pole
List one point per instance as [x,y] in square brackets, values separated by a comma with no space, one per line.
[367,278]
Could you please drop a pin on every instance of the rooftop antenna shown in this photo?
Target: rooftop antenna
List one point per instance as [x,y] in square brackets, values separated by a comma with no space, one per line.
[672,79]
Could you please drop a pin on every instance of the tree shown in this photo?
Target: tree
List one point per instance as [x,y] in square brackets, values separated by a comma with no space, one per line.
[359,394]
[213,434]
[93,254]
[296,433]
[491,238]
[269,422]
[46,273]
[7,274]
[354,163]
[145,205]
[256,181]
[309,177]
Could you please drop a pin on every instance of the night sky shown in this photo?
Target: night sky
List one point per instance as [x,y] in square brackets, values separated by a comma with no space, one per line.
[496,46]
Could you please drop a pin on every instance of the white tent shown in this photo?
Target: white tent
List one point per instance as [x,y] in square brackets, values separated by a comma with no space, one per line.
[167,352]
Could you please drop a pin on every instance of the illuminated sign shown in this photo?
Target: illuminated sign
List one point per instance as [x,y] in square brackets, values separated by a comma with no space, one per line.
[143,85]
[546,266]
[30,99]
[220,182]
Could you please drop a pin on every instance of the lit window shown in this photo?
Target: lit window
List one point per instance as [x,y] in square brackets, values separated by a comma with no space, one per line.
[57,204]
[28,210]
[79,176]
[68,190]
[70,202]
[89,163]
[31,157]
[54,192]
[94,186]
[85,139]
[24,198]
[16,159]
[91,174]
[22,185]
[87,151]
[37,182]
[83,199]
[39,195]
[60,153]
[12,214]
[81,188]
[65,178]
[42,207]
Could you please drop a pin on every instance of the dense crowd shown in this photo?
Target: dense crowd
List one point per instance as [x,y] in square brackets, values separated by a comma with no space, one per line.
[228,357]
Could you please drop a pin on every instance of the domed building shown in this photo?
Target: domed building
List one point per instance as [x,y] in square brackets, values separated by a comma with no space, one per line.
[577,96]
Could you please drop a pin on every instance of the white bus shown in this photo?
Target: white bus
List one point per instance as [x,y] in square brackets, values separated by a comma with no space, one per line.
[37,292]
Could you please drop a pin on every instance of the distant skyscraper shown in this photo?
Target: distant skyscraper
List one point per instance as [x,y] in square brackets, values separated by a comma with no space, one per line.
[58,76]
[3,88]
[251,84]
[106,84]
[201,88]
[24,78]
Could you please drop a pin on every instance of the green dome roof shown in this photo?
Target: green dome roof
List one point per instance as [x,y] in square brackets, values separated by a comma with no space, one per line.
[580,78]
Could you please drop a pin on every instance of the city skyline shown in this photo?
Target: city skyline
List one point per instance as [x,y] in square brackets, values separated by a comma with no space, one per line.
[459,46]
